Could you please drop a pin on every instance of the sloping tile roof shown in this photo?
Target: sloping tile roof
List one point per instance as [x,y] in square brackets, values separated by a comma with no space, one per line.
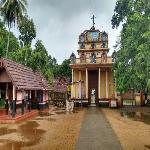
[22,76]
[42,81]
[60,86]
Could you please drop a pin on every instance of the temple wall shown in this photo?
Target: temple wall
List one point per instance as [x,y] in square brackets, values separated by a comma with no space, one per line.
[76,78]
[19,97]
[110,84]
[137,99]
[45,96]
[4,76]
[83,78]
[103,84]
[119,99]
[74,87]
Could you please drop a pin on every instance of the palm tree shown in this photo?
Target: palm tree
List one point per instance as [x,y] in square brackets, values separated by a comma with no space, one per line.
[12,12]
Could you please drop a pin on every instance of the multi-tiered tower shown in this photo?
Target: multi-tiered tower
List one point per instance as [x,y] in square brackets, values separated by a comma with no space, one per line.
[92,70]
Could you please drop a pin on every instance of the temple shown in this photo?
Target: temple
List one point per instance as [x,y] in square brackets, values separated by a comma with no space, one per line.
[92,74]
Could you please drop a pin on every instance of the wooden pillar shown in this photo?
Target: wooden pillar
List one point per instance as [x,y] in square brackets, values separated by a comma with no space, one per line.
[36,94]
[106,83]
[29,101]
[79,88]
[43,96]
[86,83]
[23,103]
[74,90]
[14,102]
[6,91]
[6,101]
[72,76]
[14,93]
[72,85]
[115,86]
[99,83]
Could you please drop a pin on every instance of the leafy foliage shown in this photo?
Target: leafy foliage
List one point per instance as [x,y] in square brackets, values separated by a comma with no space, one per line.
[27,31]
[63,70]
[14,44]
[132,68]
[2,103]
[12,11]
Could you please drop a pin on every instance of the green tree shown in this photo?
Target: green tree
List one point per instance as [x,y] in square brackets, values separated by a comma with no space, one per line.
[63,69]
[132,68]
[12,12]
[23,55]
[40,60]
[27,34]
[14,45]
[27,31]
[40,56]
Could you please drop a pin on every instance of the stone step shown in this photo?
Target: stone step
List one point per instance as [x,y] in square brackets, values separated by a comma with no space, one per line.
[92,105]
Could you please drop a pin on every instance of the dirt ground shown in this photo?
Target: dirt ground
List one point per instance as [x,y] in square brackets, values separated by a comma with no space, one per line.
[58,130]
[49,131]
[132,127]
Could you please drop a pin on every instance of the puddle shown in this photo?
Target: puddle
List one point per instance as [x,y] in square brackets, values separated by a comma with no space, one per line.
[5,130]
[61,108]
[60,112]
[137,116]
[147,146]
[75,111]
[44,114]
[30,136]
[47,119]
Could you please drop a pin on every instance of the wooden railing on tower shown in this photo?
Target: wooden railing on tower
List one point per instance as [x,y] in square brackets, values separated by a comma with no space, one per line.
[99,60]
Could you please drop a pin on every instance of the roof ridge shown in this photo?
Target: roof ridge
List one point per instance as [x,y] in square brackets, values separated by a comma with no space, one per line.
[10,60]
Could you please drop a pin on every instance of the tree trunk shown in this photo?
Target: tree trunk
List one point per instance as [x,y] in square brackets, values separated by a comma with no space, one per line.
[8,40]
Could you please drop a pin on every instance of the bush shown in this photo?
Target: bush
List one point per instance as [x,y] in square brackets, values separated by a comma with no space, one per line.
[2,103]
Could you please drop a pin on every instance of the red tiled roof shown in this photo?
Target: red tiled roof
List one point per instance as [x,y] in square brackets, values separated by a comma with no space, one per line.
[59,86]
[22,76]
[42,81]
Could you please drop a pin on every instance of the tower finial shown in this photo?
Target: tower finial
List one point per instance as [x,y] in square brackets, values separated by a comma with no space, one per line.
[93,19]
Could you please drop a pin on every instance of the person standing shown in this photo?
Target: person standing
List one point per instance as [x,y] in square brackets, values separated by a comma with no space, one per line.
[69,104]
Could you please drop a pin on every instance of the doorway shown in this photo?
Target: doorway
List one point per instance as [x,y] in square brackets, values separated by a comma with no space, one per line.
[92,85]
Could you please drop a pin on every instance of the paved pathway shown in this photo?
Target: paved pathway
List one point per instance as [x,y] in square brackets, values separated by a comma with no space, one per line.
[96,133]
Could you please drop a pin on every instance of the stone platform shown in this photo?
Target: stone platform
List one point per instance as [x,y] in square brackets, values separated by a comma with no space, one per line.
[6,119]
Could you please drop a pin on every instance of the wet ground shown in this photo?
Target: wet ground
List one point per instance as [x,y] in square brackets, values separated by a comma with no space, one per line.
[131,125]
[136,113]
[29,134]
[54,129]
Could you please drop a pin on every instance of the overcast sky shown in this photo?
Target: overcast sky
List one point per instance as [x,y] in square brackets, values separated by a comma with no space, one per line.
[59,23]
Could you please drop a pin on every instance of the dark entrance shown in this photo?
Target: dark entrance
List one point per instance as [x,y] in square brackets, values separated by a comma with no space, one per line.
[92,83]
